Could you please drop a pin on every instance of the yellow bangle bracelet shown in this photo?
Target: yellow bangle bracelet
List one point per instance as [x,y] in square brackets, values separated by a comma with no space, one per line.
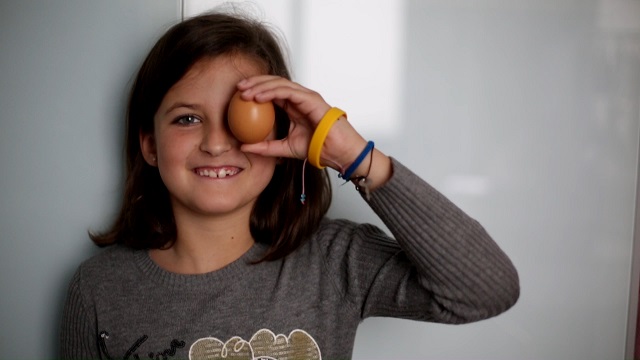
[320,135]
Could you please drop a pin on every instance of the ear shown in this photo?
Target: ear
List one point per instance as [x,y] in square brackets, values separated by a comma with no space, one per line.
[148,148]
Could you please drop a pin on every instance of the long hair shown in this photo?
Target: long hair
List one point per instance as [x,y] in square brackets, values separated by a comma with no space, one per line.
[145,220]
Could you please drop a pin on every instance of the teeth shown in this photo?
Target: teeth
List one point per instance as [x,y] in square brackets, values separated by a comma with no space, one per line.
[219,174]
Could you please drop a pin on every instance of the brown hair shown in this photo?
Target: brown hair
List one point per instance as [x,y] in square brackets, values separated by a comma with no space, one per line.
[145,220]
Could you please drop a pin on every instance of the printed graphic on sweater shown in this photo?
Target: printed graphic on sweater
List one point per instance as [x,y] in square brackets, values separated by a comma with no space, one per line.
[164,354]
[263,345]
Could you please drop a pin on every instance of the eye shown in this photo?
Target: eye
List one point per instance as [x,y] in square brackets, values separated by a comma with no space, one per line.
[187,120]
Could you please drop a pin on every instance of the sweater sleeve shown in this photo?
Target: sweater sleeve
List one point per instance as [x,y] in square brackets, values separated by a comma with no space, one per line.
[77,333]
[445,268]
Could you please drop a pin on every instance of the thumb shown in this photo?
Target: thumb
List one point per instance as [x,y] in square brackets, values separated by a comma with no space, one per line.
[273,148]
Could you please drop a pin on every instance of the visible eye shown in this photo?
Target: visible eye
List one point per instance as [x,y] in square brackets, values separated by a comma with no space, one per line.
[187,120]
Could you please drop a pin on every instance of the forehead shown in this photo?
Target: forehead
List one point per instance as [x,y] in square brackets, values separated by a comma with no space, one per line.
[224,66]
[210,79]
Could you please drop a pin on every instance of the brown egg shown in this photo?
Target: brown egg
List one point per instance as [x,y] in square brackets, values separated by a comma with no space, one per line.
[250,121]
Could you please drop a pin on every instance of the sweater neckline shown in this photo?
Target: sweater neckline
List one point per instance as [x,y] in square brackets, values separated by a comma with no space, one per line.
[170,279]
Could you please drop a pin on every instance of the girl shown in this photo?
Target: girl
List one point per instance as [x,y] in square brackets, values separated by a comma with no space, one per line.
[215,255]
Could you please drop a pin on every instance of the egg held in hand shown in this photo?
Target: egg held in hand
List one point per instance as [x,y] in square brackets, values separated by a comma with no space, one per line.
[250,121]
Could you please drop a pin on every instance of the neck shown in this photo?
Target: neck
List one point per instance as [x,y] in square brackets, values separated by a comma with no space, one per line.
[205,244]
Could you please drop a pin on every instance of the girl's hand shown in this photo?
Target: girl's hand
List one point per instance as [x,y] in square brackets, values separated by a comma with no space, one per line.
[305,109]
[303,106]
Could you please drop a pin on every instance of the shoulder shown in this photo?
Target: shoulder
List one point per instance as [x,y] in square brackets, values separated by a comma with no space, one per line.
[113,262]
[337,238]
[93,276]
[108,258]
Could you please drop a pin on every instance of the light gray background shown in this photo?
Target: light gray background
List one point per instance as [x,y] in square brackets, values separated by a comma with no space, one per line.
[524,112]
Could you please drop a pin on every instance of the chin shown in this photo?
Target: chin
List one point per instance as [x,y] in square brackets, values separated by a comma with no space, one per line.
[222,209]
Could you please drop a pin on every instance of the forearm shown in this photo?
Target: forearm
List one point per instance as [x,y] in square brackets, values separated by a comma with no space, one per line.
[456,260]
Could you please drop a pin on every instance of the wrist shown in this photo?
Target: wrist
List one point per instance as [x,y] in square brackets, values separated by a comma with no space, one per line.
[351,172]
[341,149]
[342,146]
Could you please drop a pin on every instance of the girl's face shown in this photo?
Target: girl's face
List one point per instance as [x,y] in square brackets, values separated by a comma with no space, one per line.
[198,158]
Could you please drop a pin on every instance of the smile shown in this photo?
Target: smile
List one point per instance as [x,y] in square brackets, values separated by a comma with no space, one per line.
[217,173]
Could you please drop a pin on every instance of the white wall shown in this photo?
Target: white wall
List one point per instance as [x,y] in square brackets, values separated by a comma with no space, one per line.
[524,112]
[64,73]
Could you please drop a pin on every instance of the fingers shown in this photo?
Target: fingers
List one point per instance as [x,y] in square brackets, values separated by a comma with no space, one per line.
[267,81]
[305,109]
[297,100]
[260,88]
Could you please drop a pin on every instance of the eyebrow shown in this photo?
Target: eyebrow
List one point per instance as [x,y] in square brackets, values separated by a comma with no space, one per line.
[182,105]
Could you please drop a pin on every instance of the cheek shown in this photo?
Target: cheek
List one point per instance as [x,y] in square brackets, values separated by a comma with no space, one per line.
[172,154]
[173,148]
[263,168]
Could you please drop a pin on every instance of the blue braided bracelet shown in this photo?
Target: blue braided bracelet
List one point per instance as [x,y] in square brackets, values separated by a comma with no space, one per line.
[347,174]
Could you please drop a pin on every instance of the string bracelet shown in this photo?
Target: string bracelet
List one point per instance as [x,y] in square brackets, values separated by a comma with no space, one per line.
[320,135]
[362,182]
[352,168]
[303,195]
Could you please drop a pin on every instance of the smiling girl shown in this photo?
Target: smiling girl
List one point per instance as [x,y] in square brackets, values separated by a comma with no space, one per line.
[214,255]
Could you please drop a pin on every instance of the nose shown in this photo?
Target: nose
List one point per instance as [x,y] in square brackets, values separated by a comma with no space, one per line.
[216,138]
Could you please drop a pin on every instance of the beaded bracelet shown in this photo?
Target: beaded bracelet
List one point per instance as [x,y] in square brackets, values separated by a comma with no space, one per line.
[320,135]
[352,168]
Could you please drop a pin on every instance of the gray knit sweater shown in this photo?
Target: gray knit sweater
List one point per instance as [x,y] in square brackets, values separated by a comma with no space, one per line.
[440,266]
